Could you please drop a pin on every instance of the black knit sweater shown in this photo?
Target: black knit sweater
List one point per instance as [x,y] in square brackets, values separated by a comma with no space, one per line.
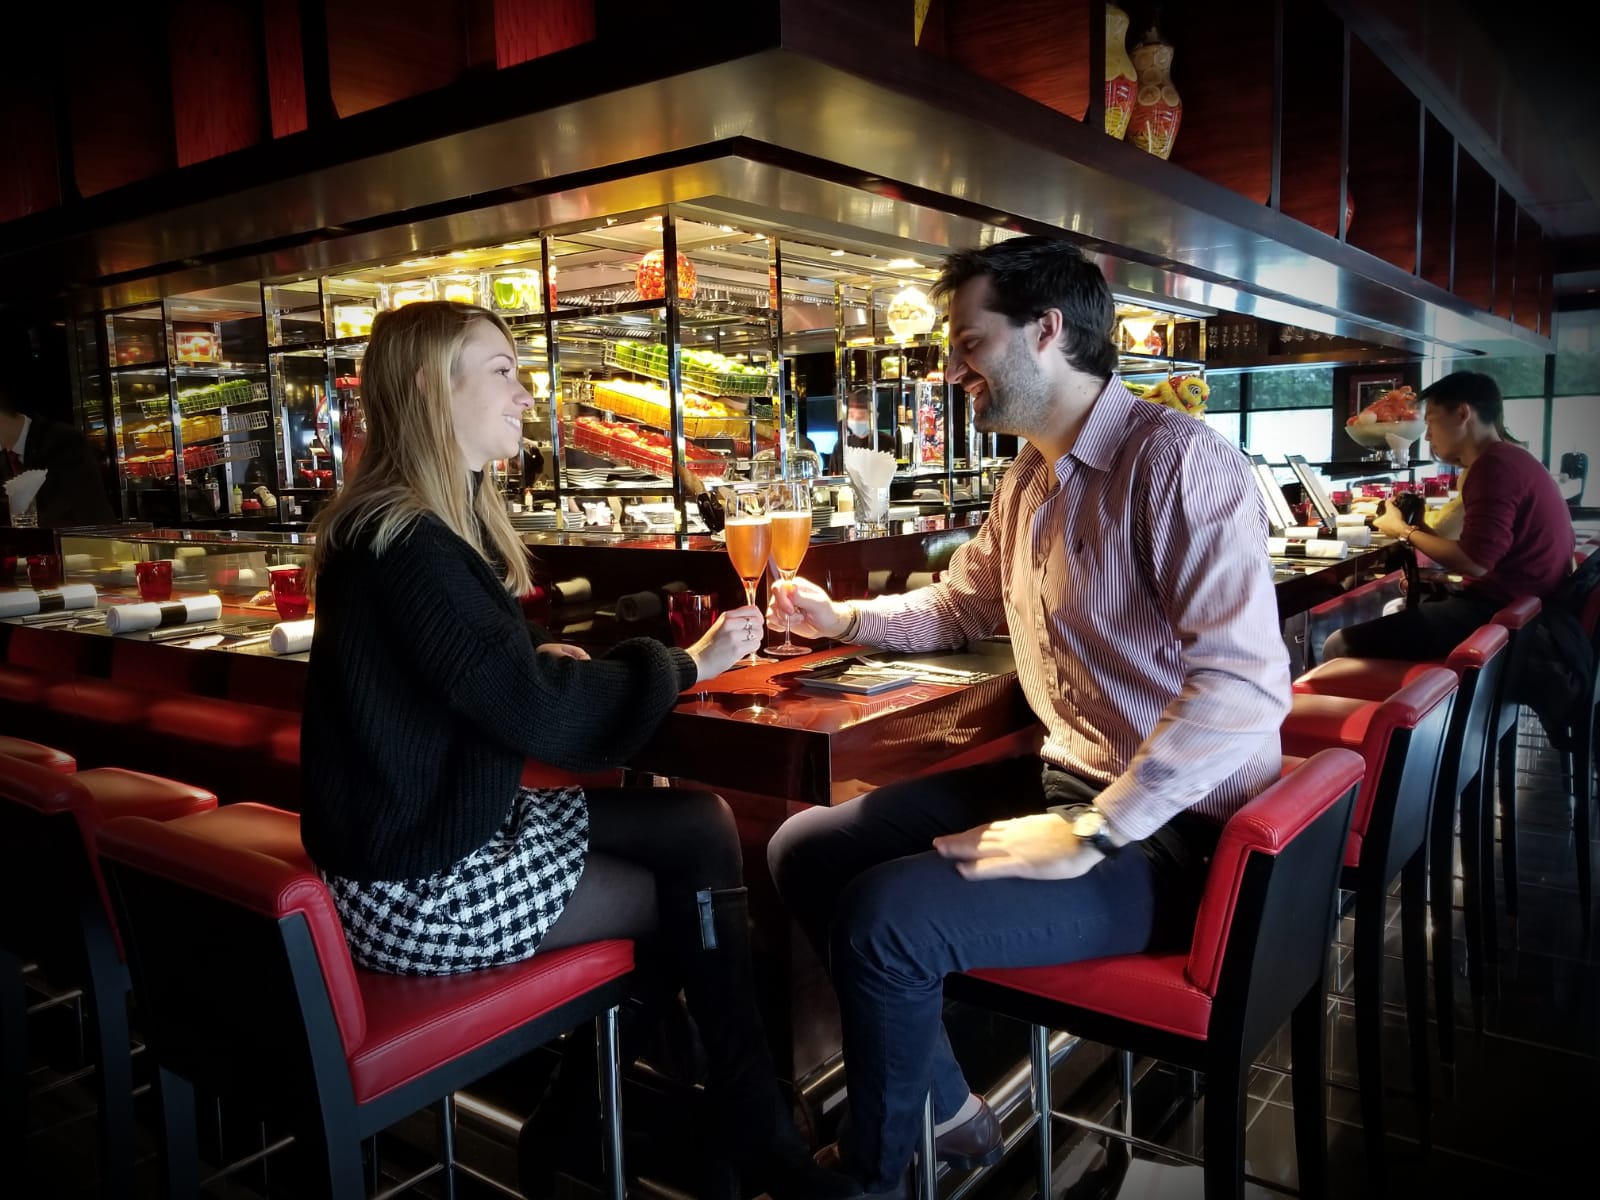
[425,695]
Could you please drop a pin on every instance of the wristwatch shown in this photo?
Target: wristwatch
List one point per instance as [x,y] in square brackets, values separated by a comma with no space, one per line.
[1088,824]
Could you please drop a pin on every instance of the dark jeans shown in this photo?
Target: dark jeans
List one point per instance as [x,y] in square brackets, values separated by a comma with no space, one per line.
[891,919]
[1429,631]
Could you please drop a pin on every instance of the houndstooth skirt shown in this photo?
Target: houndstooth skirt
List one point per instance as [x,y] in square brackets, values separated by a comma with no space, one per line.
[491,908]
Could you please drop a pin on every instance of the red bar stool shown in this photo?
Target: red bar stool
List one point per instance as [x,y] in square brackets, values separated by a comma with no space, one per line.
[36,659]
[260,705]
[1259,958]
[40,756]
[53,912]
[103,720]
[1363,603]
[1500,765]
[247,986]
[1479,664]
[1401,740]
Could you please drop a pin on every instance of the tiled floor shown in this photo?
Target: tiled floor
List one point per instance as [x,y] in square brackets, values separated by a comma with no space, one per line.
[1516,1118]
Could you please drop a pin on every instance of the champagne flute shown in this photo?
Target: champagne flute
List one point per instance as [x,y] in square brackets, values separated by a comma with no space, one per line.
[748,530]
[789,507]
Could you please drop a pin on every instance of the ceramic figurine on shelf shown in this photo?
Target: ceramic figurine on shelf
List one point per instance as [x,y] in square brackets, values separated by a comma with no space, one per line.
[1183,393]
[1157,109]
[1122,81]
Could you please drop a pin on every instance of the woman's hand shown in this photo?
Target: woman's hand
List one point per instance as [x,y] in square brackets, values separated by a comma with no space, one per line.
[736,633]
[562,650]
[807,608]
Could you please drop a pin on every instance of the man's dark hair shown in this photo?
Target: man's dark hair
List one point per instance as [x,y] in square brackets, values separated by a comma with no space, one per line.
[859,397]
[1028,276]
[1472,388]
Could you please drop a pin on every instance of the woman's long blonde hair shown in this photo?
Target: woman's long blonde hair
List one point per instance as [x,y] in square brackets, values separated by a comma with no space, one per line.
[412,464]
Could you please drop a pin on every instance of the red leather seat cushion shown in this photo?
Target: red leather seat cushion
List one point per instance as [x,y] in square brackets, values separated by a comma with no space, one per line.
[416,1024]
[225,723]
[120,793]
[542,775]
[98,700]
[1152,989]
[283,743]
[40,756]
[23,685]
[1362,678]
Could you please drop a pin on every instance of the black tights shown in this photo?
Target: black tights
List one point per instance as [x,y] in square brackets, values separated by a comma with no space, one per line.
[650,850]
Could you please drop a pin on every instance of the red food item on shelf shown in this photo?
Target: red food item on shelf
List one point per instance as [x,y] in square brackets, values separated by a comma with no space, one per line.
[650,280]
[1399,404]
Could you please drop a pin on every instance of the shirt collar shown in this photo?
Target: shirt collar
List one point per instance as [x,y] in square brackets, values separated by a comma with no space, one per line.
[1107,427]
[22,438]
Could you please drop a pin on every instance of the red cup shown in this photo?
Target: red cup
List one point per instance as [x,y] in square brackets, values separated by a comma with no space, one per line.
[155,579]
[691,616]
[1436,485]
[289,592]
[44,571]
[1341,501]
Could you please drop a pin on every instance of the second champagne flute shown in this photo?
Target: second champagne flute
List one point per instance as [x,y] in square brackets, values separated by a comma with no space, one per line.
[789,506]
[748,530]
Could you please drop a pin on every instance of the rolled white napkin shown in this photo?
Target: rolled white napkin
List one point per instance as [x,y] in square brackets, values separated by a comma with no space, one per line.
[25,603]
[292,637]
[921,579]
[1302,533]
[22,489]
[1354,535]
[130,618]
[1351,519]
[1316,548]
[870,472]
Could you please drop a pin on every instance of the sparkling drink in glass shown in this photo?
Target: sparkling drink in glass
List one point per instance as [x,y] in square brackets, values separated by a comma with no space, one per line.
[789,506]
[748,530]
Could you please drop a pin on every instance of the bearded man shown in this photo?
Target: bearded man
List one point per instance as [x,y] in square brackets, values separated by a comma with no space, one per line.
[1125,551]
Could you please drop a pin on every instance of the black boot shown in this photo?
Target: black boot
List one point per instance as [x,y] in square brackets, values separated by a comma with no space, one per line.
[753,1124]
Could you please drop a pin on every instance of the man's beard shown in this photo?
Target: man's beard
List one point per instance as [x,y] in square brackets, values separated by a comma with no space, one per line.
[1018,399]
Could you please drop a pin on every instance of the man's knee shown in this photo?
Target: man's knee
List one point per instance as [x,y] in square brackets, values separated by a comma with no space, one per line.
[793,852]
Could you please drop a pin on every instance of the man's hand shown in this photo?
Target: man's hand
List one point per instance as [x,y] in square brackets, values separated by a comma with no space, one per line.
[1038,847]
[1390,523]
[810,612]
[562,650]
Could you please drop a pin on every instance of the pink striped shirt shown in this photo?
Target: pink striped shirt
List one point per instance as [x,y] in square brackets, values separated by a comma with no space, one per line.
[1134,578]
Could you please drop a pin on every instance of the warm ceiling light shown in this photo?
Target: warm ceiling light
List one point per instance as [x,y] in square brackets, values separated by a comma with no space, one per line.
[903,264]
[836,253]
[1138,330]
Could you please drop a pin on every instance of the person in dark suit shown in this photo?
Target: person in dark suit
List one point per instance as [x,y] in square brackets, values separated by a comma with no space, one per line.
[858,418]
[72,493]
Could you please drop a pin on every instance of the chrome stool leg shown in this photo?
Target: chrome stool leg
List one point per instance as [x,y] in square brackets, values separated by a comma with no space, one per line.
[611,1102]
[447,1144]
[1127,1091]
[927,1162]
[1039,1055]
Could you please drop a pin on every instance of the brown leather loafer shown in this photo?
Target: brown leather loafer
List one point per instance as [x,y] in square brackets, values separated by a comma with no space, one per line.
[976,1142]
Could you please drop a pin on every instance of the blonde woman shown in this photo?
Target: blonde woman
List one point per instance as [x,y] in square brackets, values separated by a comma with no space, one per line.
[427,693]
